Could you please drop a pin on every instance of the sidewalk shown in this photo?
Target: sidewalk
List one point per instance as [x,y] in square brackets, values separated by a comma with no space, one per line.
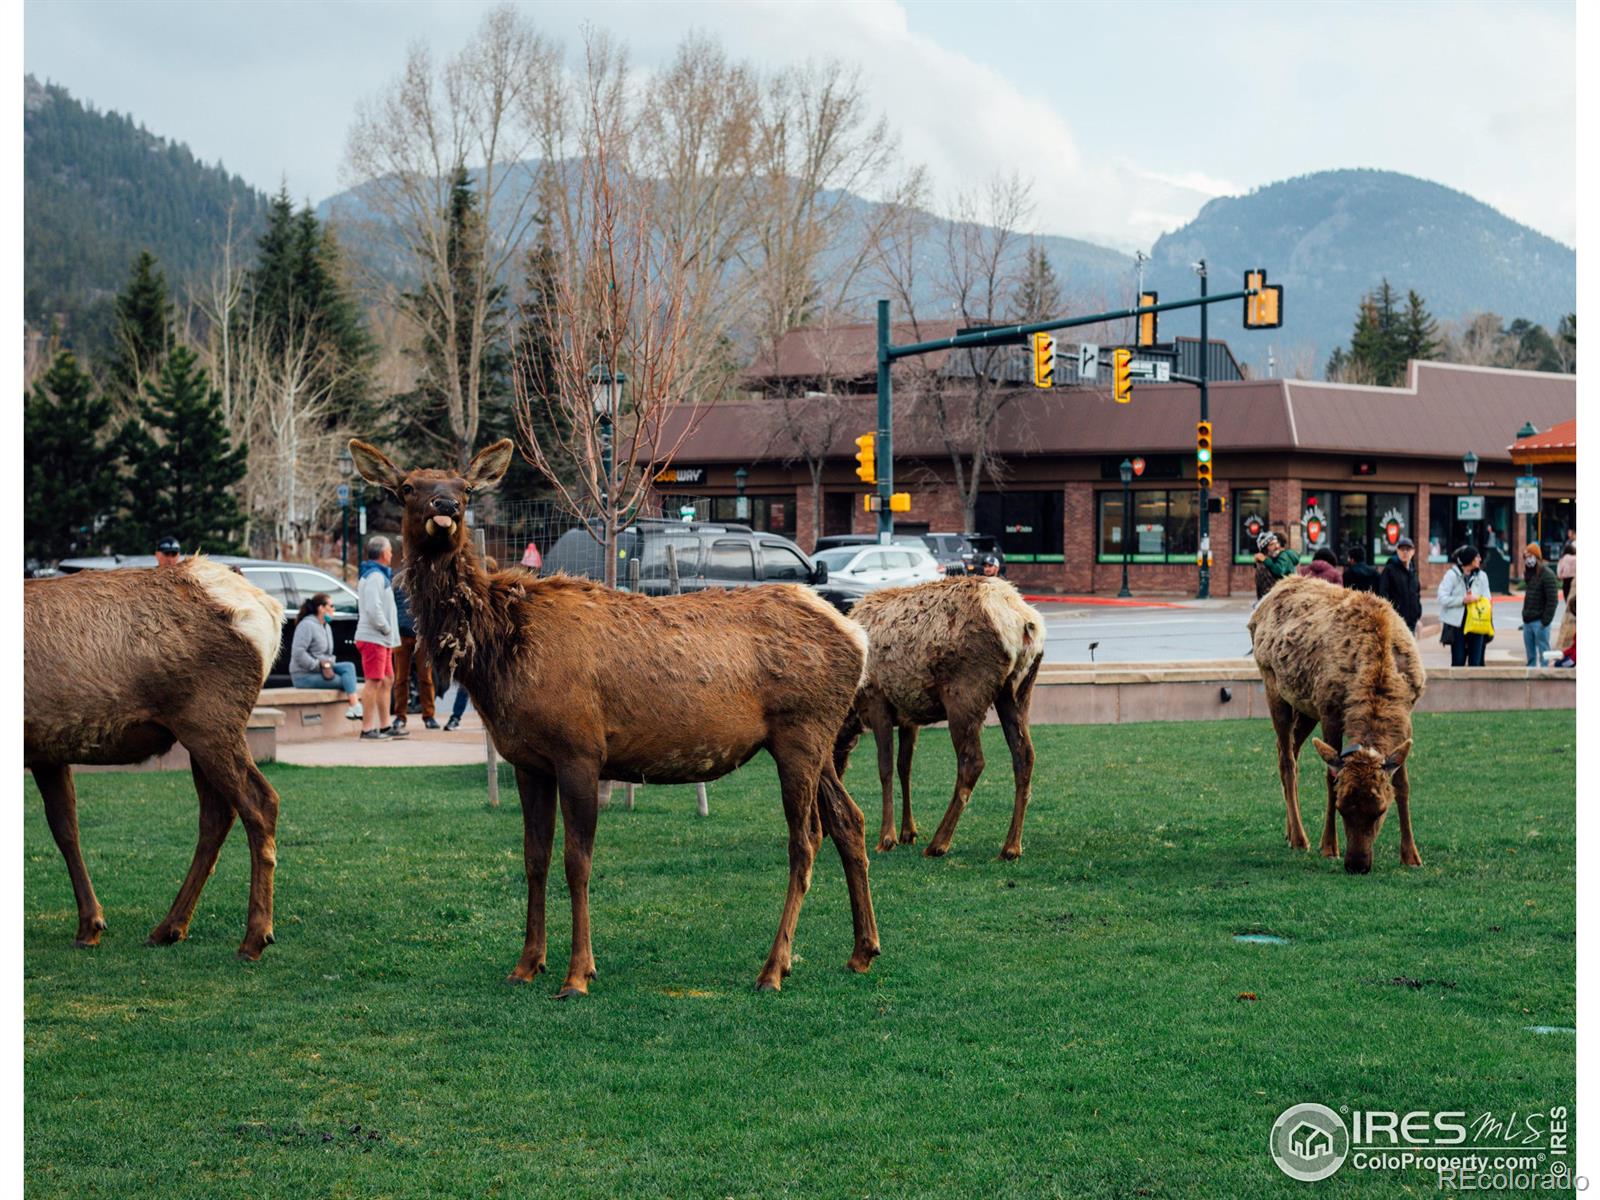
[424,748]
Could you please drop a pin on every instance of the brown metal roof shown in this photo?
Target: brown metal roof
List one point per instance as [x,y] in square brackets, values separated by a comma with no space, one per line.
[1558,444]
[1446,411]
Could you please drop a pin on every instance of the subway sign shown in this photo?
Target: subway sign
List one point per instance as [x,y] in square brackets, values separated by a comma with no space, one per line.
[682,475]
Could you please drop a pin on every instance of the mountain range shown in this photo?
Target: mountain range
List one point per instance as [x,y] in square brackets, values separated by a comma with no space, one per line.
[98,188]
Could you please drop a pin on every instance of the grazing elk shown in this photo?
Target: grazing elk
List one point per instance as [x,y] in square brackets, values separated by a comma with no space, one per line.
[578,682]
[118,665]
[948,650]
[1345,659]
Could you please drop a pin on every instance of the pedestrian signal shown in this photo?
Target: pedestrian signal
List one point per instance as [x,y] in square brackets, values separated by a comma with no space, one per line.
[1044,360]
[900,502]
[1147,321]
[1264,310]
[1202,453]
[1122,375]
[867,458]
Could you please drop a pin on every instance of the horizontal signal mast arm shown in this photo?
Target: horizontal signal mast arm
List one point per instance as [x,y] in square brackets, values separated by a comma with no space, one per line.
[1009,333]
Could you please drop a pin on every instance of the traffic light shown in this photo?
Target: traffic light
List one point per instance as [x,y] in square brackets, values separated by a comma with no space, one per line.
[1264,310]
[867,458]
[1147,321]
[900,502]
[1202,453]
[1044,360]
[1122,375]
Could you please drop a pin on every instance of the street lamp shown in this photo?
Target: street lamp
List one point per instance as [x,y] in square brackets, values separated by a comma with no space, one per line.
[741,506]
[1127,479]
[607,392]
[1533,527]
[1469,464]
[347,468]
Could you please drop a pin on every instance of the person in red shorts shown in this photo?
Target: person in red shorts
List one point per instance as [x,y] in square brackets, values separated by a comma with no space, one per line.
[377,634]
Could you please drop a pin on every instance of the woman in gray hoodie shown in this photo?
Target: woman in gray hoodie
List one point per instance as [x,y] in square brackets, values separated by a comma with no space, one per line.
[311,661]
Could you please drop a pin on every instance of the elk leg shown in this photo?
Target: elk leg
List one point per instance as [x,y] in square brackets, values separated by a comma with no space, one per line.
[1284,721]
[216,819]
[908,747]
[1013,713]
[883,738]
[1333,734]
[848,829]
[61,810]
[579,790]
[538,793]
[966,731]
[229,768]
[1402,800]
[797,774]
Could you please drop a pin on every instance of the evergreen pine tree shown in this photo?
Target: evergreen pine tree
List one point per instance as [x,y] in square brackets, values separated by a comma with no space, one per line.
[182,469]
[142,332]
[1367,344]
[1419,331]
[70,465]
[1038,295]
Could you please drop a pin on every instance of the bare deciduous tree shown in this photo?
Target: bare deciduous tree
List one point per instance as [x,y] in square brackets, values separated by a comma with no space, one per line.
[803,427]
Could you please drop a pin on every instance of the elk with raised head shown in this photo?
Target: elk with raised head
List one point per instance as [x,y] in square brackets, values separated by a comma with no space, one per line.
[1345,659]
[119,665]
[947,651]
[578,682]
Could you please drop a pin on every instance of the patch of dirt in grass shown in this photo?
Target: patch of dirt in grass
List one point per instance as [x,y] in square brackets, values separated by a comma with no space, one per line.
[1416,984]
[687,994]
[355,1136]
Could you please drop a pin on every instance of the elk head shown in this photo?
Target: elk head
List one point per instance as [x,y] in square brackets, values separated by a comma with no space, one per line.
[1363,790]
[435,502]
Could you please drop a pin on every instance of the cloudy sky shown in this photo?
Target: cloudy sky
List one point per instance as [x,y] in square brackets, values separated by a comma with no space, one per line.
[1127,116]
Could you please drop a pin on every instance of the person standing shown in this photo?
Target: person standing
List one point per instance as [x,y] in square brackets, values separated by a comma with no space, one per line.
[169,552]
[1359,577]
[1324,566]
[1567,565]
[1538,604]
[1273,562]
[311,661]
[1400,585]
[1462,584]
[404,659]
[1567,639]
[377,633]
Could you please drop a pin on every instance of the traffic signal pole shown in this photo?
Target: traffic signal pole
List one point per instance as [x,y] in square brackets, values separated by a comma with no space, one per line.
[1204,590]
[999,336]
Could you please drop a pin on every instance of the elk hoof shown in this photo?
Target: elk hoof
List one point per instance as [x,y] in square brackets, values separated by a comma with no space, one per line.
[164,935]
[1300,843]
[572,991]
[908,837]
[935,851]
[861,961]
[764,984]
[86,941]
[1329,851]
[1010,853]
[1413,859]
[886,843]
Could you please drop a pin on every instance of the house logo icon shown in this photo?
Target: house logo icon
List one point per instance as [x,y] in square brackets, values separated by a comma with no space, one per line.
[1309,1142]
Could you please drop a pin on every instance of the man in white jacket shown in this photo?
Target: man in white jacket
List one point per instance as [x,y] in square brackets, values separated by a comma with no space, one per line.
[377,634]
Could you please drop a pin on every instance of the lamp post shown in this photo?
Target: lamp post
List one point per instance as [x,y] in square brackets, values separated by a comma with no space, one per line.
[607,391]
[1469,464]
[1127,480]
[741,505]
[347,467]
[1533,523]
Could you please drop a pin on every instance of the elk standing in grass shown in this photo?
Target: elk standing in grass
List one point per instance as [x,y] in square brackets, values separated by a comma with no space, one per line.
[120,664]
[1345,659]
[577,682]
[949,650]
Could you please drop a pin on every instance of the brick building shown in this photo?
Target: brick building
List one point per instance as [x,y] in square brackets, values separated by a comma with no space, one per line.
[1332,465]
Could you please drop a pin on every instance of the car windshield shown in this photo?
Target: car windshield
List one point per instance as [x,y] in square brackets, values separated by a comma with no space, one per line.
[837,557]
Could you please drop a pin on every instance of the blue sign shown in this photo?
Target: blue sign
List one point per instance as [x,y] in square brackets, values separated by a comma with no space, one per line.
[344,494]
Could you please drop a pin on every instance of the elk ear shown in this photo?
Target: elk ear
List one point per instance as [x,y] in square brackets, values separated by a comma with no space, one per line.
[1397,757]
[375,466]
[489,464]
[1329,755]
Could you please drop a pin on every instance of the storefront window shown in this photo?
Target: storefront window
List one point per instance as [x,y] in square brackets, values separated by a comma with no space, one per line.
[1164,526]
[1249,522]
[768,514]
[1447,532]
[1028,525]
[1341,521]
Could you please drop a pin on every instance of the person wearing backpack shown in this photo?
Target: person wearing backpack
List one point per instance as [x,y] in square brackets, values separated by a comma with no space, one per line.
[1538,604]
[1465,612]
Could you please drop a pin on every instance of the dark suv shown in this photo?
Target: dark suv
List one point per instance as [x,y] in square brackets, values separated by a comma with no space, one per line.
[708,555]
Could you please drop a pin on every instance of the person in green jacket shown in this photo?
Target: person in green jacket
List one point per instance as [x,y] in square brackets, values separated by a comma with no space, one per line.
[1273,562]
[1538,604]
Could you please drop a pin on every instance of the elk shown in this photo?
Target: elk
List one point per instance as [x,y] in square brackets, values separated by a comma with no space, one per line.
[577,682]
[1345,659]
[119,665]
[948,650]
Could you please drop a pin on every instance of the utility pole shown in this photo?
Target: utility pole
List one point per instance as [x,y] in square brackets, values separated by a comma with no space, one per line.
[885,445]
[1204,590]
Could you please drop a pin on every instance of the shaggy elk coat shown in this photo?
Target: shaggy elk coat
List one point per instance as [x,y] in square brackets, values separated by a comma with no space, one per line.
[947,651]
[578,682]
[120,664]
[1345,659]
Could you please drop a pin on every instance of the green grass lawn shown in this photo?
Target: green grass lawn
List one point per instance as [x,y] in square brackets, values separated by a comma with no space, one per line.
[1067,1024]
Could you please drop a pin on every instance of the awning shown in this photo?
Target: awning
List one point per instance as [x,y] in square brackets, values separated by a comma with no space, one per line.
[1558,444]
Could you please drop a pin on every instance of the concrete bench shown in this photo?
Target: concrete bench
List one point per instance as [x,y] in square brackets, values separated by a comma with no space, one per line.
[309,713]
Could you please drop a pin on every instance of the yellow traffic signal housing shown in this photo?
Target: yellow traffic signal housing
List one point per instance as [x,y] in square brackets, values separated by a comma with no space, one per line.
[1147,321]
[900,502]
[1044,360]
[867,458]
[1202,453]
[1264,310]
[1122,375]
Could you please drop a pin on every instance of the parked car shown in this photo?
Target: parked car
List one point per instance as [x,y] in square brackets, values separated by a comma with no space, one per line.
[950,550]
[834,540]
[709,554]
[853,571]
[290,583]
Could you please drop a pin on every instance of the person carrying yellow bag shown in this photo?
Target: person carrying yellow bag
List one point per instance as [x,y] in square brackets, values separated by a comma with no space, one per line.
[1465,611]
